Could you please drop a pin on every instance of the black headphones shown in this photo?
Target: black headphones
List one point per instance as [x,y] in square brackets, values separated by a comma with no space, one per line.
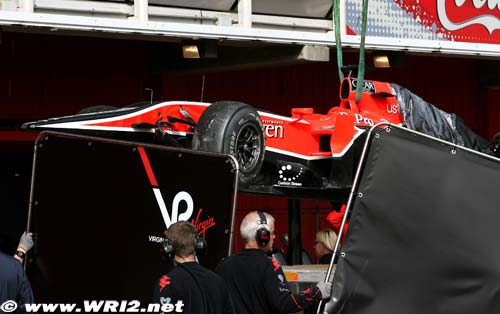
[495,145]
[263,235]
[200,247]
[495,148]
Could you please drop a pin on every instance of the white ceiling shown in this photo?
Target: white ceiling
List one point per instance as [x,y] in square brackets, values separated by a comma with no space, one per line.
[299,8]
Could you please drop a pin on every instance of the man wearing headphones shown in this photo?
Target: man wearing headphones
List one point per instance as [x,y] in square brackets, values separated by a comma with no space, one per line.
[256,281]
[190,287]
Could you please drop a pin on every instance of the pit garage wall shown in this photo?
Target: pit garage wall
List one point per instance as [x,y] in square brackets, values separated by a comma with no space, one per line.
[43,76]
[46,76]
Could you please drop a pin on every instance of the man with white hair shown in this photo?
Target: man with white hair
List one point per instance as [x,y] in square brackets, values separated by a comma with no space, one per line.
[256,281]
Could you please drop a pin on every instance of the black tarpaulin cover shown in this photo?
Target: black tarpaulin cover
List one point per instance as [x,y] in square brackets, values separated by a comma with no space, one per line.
[424,236]
[99,214]
[424,117]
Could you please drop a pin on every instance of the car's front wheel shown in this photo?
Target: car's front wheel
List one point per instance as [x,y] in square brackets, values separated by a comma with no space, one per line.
[233,128]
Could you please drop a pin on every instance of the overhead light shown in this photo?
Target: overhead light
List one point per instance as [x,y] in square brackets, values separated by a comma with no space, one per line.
[388,59]
[190,52]
[196,49]
[381,61]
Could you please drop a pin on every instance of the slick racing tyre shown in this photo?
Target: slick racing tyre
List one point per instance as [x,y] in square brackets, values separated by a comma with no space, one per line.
[233,128]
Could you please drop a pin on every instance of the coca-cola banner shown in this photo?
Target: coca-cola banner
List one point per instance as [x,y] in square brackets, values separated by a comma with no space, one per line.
[453,21]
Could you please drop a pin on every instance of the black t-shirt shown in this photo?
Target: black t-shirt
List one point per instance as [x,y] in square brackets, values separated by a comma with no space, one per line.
[200,290]
[14,284]
[325,259]
[257,284]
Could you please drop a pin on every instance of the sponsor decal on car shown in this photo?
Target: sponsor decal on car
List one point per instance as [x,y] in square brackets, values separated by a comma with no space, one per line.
[288,175]
[272,128]
[368,86]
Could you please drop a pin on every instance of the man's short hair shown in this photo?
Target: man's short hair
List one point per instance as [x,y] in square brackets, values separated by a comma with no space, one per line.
[182,235]
[251,223]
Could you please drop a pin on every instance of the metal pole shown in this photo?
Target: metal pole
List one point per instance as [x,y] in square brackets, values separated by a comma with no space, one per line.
[294,232]
[233,209]
[39,138]
[348,209]
[150,90]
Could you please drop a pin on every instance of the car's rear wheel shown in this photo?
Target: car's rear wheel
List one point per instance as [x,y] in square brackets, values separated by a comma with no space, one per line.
[233,128]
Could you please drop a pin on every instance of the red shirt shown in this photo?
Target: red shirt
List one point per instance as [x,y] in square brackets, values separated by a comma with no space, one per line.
[335,220]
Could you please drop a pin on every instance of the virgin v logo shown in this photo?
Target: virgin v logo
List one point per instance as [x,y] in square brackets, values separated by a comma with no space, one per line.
[179,197]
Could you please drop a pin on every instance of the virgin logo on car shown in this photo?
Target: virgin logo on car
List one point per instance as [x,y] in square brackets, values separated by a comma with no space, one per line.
[272,129]
[459,14]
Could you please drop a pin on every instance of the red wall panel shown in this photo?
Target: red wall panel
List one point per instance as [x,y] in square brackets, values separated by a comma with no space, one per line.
[49,76]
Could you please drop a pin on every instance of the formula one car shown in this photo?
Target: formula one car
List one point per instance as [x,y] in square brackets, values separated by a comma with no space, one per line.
[306,154]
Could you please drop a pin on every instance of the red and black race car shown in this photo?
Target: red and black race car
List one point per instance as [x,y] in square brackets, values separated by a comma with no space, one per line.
[305,154]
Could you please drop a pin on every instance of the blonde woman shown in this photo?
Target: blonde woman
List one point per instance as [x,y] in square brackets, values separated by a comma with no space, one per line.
[324,245]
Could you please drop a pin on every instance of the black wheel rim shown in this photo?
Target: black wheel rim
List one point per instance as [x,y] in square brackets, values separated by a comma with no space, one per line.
[248,147]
